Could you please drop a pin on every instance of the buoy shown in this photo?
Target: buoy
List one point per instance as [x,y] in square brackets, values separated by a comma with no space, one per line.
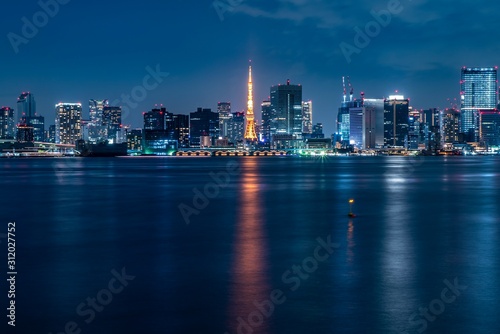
[351,214]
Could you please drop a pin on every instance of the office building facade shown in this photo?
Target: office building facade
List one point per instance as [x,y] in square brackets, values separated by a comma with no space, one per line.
[479,90]
[7,123]
[68,123]
[396,117]
[286,104]
[307,117]
[203,123]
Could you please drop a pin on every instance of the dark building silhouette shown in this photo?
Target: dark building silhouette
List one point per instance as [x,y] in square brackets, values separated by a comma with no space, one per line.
[396,117]
[286,104]
[203,123]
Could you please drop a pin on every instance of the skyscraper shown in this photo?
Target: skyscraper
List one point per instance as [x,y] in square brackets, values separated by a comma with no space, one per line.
[490,127]
[96,108]
[479,89]
[344,119]
[396,117]
[286,104]
[112,121]
[451,126]
[236,128]
[181,129]
[374,123]
[68,123]
[224,110]
[7,123]
[38,125]
[203,123]
[26,106]
[267,120]
[356,126]
[250,133]
[307,117]
[155,119]
[97,131]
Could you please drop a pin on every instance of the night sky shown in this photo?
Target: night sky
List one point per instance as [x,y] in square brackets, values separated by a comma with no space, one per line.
[100,49]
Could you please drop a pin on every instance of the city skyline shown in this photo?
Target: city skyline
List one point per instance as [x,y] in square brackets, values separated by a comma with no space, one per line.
[87,112]
[304,47]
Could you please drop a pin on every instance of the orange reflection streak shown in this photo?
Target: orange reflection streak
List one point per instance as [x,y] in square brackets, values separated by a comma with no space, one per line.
[350,242]
[249,281]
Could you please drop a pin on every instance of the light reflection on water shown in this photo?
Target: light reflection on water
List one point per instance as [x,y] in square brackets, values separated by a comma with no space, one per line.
[249,282]
[417,224]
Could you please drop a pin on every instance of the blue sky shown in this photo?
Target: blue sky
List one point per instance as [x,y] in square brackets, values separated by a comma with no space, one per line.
[101,49]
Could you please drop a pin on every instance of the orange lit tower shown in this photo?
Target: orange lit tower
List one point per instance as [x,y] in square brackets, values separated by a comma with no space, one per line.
[250,134]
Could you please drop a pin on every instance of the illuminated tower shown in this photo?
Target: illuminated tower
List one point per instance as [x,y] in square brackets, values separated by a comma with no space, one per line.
[250,134]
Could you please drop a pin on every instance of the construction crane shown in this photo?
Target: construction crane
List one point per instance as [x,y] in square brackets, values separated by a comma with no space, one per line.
[345,90]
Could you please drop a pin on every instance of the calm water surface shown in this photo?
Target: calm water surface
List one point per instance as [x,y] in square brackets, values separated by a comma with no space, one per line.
[250,260]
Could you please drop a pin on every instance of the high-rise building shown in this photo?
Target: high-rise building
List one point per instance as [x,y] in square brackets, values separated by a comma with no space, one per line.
[97,132]
[155,119]
[7,123]
[414,129]
[25,134]
[250,132]
[52,134]
[307,117]
[203,123]
[490,127]
[479,89]
[344,119]
[451,126]
[374,130]
[318,131]
[181,129]
[26,106]
[267,121]
[38,125]
[68,123]
[430,128]
[224,110]
[236,128]
[96,109]
[286,104]
[356,126]
[396,117]
[112,121]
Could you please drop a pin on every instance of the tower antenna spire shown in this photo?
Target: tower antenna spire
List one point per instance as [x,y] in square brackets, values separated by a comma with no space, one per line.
[250,133]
